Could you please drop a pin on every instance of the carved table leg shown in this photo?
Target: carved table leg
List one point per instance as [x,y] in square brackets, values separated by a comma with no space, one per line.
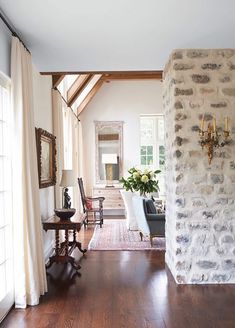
[66,242]
[78,244]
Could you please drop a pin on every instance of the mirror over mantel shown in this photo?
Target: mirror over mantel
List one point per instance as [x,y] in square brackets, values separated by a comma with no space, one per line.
[108,144]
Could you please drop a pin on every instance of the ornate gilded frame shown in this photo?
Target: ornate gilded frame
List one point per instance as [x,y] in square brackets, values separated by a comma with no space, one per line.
[99,125]
[46,157]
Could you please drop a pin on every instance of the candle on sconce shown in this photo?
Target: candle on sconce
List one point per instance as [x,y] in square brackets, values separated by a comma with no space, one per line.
[214,124]
[202,123]
[226,123]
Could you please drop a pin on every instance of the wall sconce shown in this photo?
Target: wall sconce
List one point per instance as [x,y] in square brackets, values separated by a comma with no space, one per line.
[210,138]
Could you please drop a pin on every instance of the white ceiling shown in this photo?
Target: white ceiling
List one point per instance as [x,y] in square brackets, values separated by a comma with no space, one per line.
[110,35]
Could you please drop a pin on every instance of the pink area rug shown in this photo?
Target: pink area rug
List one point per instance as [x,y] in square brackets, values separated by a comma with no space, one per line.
[114,236]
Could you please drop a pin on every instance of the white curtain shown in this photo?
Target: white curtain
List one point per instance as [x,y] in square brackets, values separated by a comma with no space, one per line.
[71,151]
[30,276]
[58,130]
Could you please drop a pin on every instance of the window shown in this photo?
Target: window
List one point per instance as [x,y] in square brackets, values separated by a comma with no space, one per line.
[6,259]
[152,145]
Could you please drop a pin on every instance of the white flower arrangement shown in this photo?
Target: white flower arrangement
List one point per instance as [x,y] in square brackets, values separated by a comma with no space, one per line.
[142,181]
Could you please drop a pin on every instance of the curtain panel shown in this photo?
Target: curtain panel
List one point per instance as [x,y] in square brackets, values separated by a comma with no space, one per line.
[58,129]
[30,275]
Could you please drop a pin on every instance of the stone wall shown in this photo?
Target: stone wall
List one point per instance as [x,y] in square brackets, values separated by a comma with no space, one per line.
[200,227]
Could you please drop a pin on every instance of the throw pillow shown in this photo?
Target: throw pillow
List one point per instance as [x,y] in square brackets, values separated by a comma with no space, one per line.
[89,204]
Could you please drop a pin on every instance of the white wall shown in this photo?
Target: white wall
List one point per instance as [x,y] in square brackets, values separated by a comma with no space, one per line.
[5,49]
[43,119]
[119,101]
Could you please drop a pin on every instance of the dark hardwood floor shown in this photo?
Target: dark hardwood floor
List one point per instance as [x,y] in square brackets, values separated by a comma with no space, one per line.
[125,289]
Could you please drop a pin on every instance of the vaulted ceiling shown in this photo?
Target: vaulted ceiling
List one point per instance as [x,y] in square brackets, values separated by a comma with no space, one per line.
[106,35]
[78,90]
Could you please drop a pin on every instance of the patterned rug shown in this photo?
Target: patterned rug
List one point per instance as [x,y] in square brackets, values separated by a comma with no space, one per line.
[114,236]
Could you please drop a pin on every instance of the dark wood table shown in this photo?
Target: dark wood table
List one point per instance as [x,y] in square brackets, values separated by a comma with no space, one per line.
[64,249]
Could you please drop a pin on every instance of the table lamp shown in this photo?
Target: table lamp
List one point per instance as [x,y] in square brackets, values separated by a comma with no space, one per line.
[109,160]
[67,180]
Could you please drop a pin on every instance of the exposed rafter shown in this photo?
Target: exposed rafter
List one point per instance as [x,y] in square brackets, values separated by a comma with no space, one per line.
[140,74]
[90,95]
[56,79]
[133,76]
[77,87]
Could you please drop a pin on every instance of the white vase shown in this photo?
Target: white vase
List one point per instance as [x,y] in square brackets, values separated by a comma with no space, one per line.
[131,222]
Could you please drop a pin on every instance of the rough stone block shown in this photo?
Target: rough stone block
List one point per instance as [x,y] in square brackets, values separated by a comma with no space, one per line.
[232,178]
[195,128]
[180,202]
[183,92]
[206,190]
[180,279]
[220,227]
[183,266]
[206,116]
[231,66]
[182,66]
[226,53]
[227,239]
[180,117]
[183,239]
[177,81]
[183,215]
[209,214]
[177,55]
[217,178]
[211,66]
[221,201]
[178,127]
[198,202]
[178,105]
[199,226]
[198,278]
[229,92]
[177,154]
[204,264]
[197,54]
[219,104]
[228,264]
[232,165]
[221,277]
[202,79]
[208,91]
[225,79]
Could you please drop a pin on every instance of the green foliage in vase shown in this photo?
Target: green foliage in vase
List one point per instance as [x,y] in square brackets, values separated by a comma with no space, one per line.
[142,181]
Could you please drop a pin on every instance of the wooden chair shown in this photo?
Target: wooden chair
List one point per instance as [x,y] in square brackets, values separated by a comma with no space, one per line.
[92,206]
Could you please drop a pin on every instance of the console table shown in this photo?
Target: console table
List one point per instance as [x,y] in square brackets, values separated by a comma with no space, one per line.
[64,249]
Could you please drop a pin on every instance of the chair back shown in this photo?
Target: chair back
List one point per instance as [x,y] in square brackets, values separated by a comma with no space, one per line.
[149,207]
[82,193]
[138,204]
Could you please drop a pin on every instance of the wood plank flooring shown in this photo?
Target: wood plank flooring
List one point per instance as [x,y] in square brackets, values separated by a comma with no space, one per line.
[125,289]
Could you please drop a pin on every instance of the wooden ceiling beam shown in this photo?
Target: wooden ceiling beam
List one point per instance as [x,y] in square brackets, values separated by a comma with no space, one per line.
[157,74]
[131,76]
[56,79]
[77,87]
[90,95]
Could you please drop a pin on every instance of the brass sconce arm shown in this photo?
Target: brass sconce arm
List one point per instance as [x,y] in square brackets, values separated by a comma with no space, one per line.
[210,138]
